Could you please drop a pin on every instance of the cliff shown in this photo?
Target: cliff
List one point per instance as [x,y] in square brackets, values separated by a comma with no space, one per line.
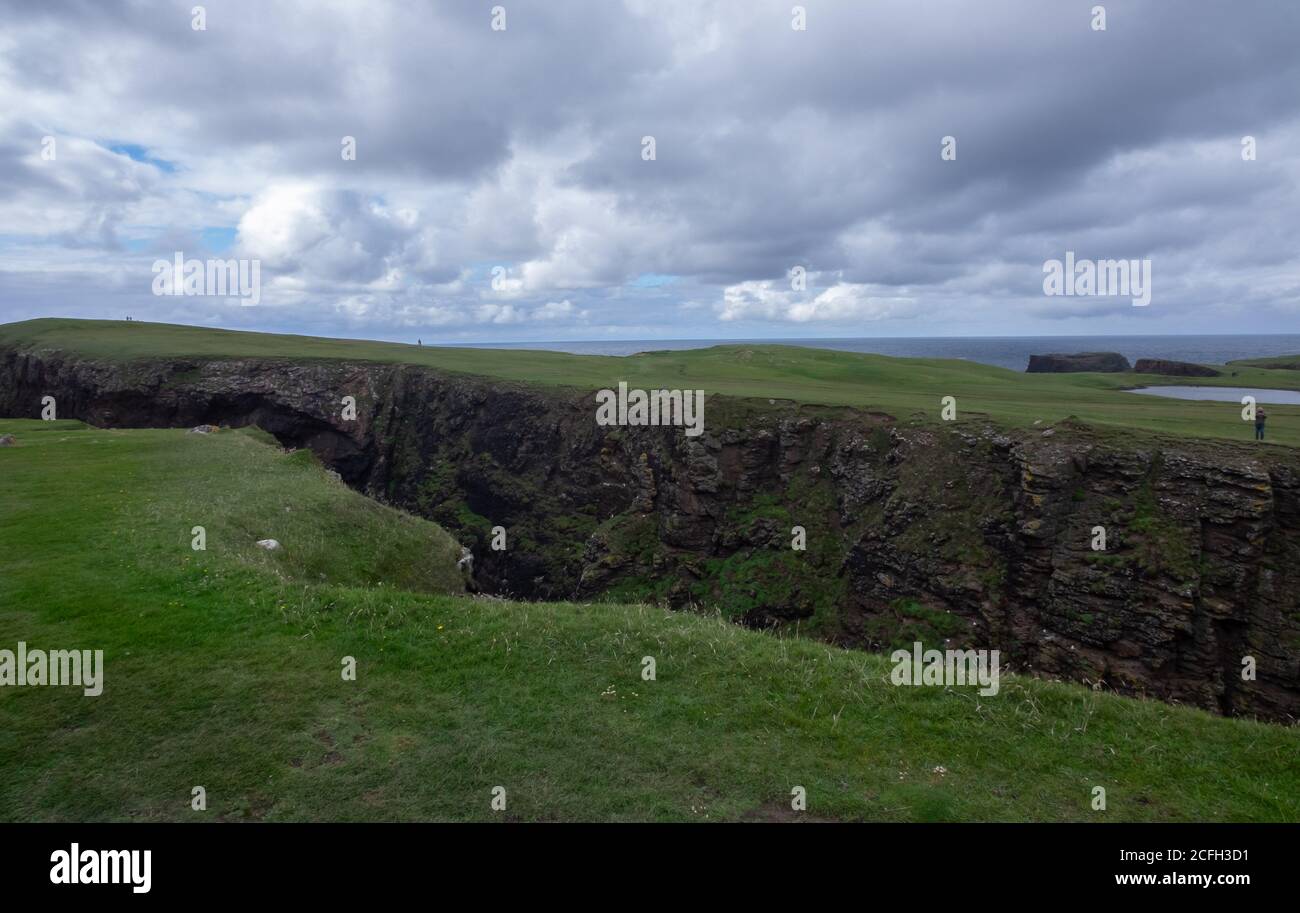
[964,533]
[1109,362]
[1173,368]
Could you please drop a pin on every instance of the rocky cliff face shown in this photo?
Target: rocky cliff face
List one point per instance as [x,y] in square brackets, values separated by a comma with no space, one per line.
[1110,362]
[1172,368]
[963,535]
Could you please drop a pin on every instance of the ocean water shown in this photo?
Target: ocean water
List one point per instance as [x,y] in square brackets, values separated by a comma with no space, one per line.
[1003,351]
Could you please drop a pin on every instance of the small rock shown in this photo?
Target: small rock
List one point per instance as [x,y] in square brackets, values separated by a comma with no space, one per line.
[269,544]
[204,429]
[466,567]
[1049,432]
[8,440]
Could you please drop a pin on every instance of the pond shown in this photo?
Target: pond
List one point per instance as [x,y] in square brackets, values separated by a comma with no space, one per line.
[1225,394]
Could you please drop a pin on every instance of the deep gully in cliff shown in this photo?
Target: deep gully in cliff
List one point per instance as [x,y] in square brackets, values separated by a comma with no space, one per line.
[1242,555]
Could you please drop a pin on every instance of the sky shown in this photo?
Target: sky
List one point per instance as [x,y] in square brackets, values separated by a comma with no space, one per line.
[532,170]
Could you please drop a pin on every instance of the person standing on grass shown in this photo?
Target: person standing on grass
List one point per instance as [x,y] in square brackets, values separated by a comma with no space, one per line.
[1260,417]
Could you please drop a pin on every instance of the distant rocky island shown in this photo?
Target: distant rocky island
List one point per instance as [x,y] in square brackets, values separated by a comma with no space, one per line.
[1060,363]
[1114,363]
[1173,368]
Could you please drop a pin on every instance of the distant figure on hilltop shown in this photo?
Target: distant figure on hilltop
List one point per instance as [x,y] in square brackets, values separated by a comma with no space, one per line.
[1260,417]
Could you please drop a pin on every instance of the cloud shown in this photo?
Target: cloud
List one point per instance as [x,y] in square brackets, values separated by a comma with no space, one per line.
[508,313]
[775,148]
[558,310]
[330,235]
[842,302]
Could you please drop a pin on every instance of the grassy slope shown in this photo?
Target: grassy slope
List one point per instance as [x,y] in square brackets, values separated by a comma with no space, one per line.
[1284,362]
[223,670]
[900,386]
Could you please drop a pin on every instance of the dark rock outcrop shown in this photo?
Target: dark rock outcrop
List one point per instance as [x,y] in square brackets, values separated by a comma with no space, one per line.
[1173,368]
[965,534]
[1106,362]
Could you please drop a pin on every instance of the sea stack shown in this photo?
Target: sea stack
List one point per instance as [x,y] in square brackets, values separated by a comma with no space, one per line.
[1106,362]
[1173,368]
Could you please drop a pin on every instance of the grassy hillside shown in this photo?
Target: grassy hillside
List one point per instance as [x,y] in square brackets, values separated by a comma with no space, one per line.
[223,670]
[1282,362]
[900,386]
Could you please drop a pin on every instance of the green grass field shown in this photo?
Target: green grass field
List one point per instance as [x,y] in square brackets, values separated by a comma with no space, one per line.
[222,669]
[903,387]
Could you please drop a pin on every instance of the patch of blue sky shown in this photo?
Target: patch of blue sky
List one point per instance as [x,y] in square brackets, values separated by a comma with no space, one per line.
[218,239]
[138,153]
[483,271]
[652,280]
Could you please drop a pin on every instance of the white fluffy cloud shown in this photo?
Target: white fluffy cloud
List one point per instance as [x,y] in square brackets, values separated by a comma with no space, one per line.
[840,303]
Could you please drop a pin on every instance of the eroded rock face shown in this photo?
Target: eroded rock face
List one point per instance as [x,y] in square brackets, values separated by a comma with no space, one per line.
[1107,362]
[958,533]
[1173,368]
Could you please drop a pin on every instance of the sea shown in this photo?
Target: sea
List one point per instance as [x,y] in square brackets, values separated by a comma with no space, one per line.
[1003,351]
